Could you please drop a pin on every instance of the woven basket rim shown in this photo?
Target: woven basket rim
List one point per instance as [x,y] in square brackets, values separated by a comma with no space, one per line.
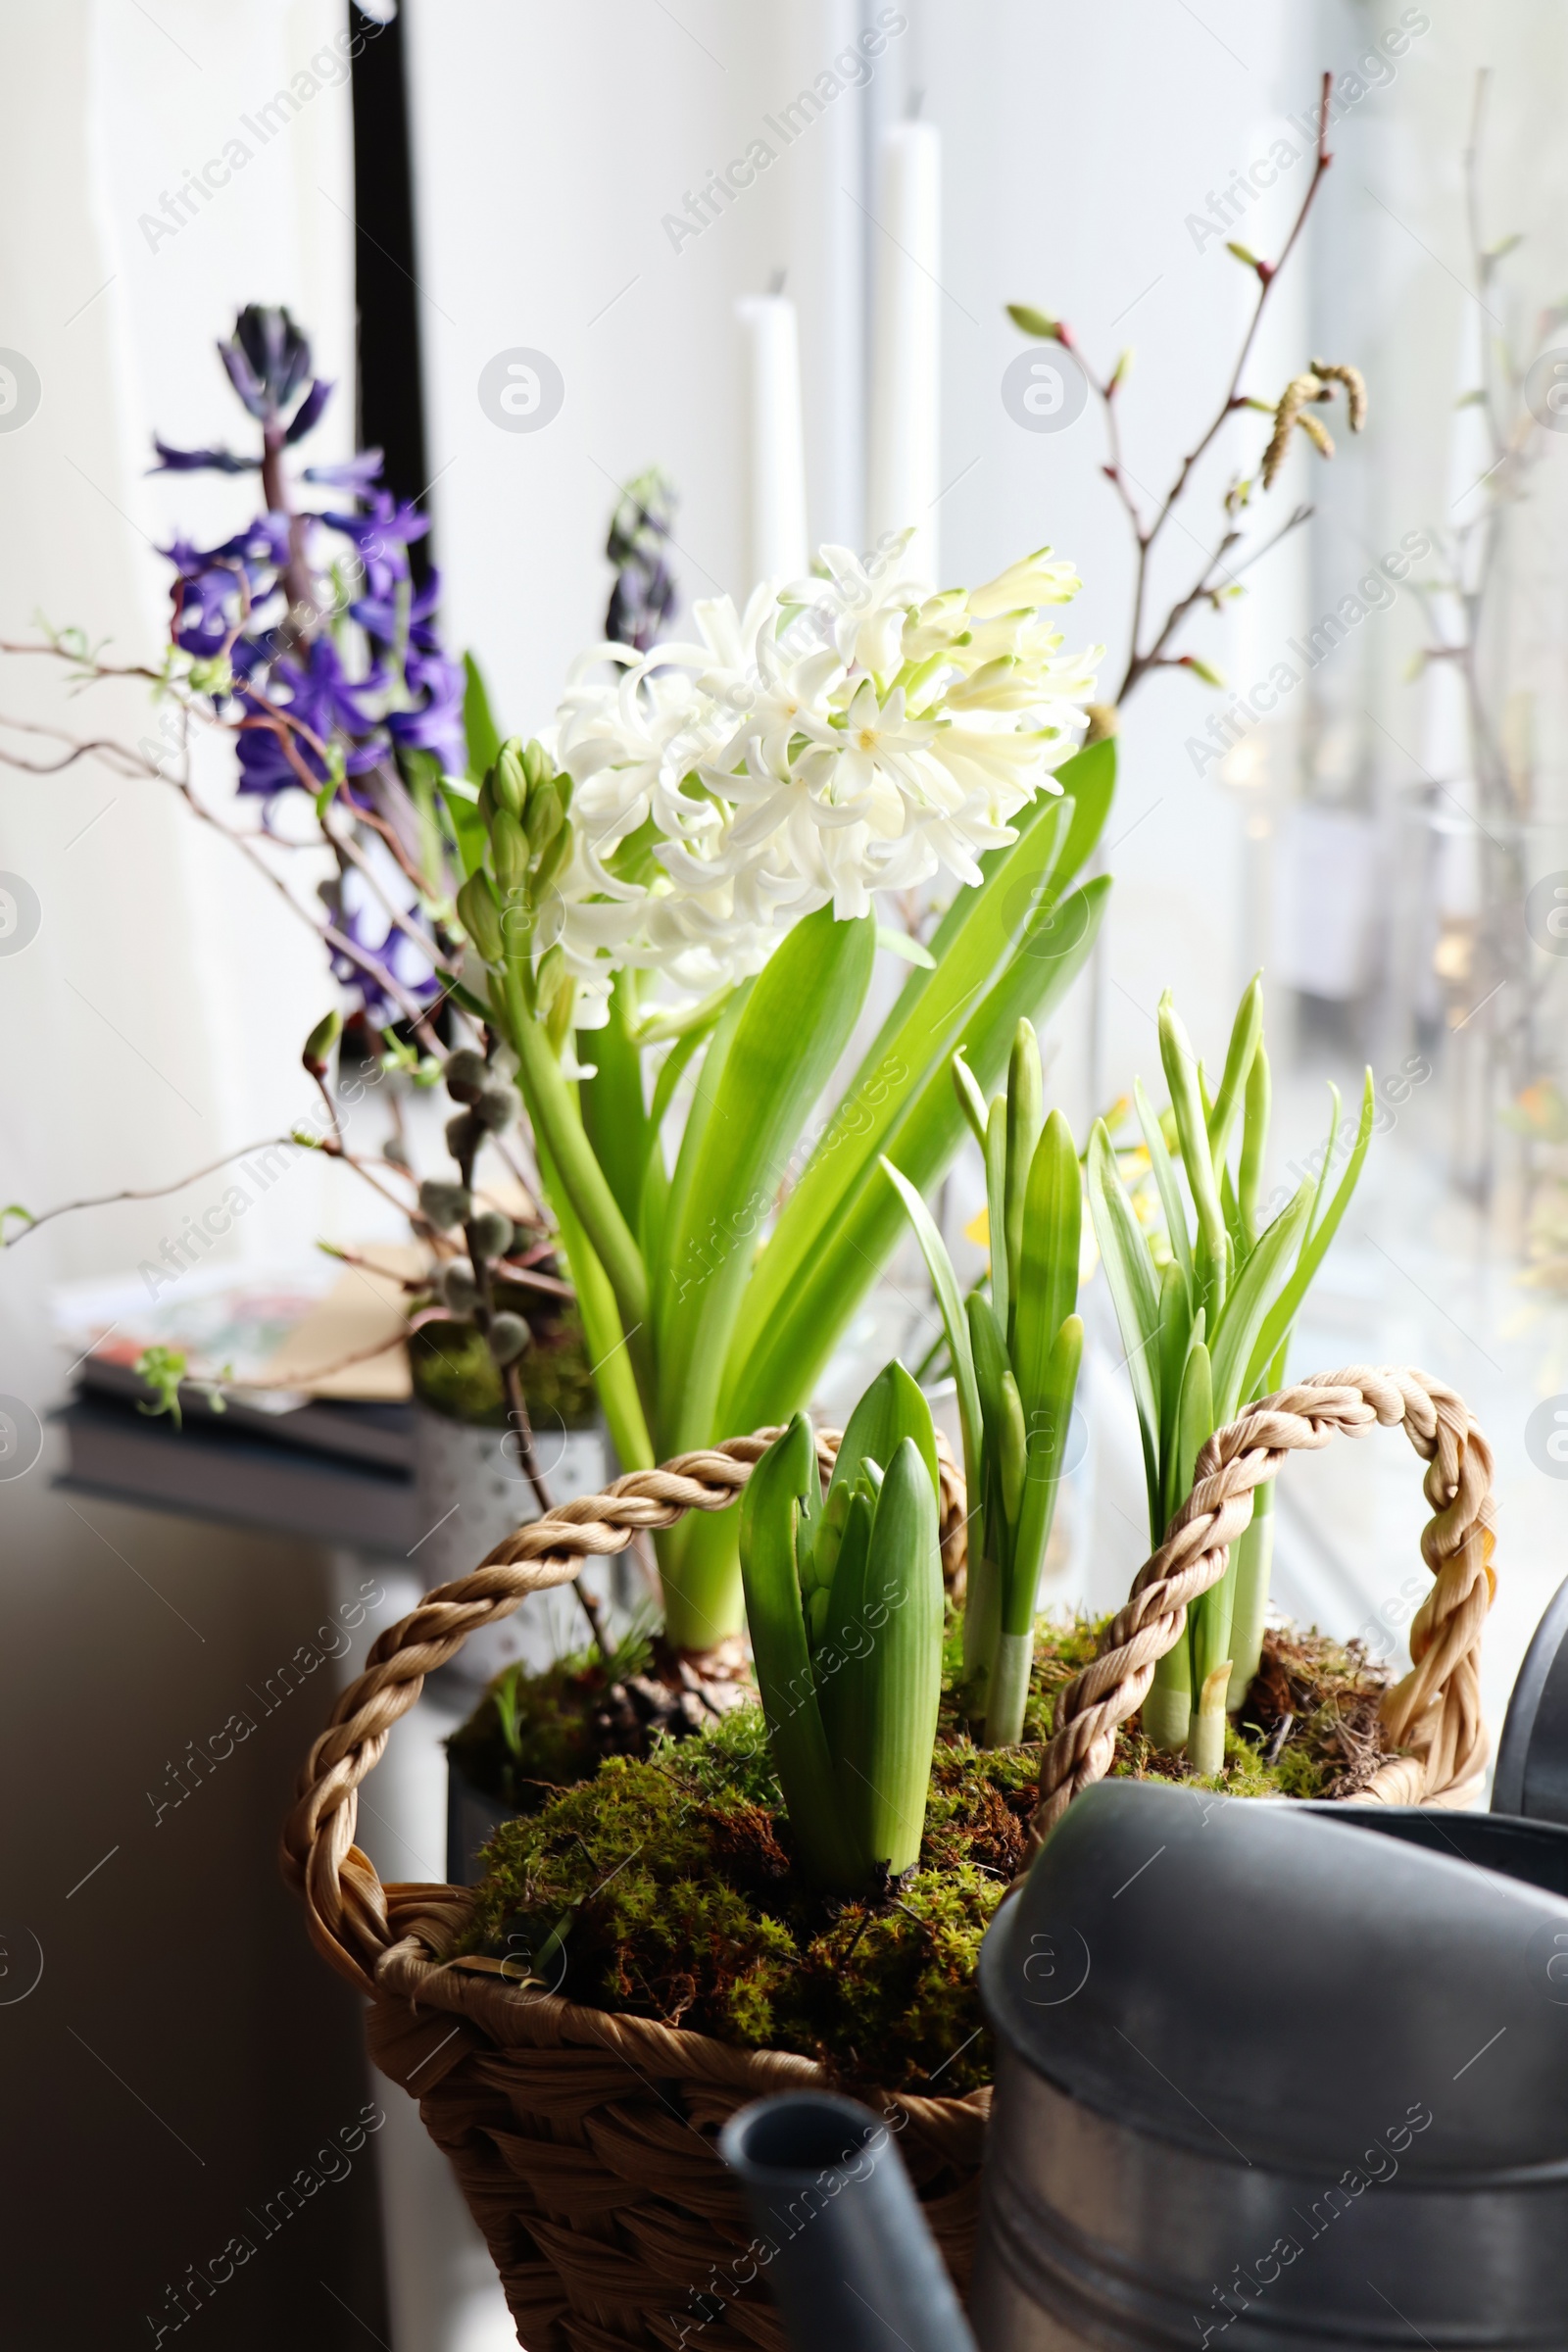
[515,2016]
[1434,1714]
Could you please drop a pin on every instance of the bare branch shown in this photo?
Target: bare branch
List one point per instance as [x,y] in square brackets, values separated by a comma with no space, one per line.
[91,666]
[155,1192]
[1140,659]
[346,1364]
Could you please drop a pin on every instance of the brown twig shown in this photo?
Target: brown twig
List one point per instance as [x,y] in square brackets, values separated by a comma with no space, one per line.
[346,1364]
[155,1192]
[1143,658]
[135,764]
[91,667]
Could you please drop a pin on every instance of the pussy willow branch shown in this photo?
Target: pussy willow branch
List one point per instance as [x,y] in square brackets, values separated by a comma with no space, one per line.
[511,1380]
[155,1192]
[1140,660]
[331,1148]
[516,1402]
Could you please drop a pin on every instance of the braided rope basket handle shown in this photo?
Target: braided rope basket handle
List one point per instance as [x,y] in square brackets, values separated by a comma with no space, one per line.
[1434,1715]
[345,1902]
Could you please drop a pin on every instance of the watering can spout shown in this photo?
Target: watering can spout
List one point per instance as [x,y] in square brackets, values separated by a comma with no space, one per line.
[838,2228]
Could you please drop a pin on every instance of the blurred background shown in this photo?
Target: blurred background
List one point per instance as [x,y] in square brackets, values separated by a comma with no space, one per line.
[452,191]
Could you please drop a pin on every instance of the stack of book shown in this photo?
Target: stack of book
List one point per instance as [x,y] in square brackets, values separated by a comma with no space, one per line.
[294,1408]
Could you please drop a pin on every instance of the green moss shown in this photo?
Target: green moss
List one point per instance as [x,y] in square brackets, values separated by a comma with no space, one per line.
[532,1731]
[454,1372]
[673,1880]
[666,1887]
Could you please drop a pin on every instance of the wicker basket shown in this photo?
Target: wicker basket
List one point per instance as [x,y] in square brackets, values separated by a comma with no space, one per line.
[583,2141]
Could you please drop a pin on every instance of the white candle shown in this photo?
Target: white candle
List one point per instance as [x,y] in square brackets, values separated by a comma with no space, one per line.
[778,547]
[906,348]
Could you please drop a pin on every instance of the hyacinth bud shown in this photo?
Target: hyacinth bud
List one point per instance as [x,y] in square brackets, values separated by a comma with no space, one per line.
[318,1045]
[509,847]
[445,1205]
[546,815]
[535,765]
[508,780]
[508,1336]
[491,1233]
[549,979]
[553,859]
[467,1073]
[464,1136]
[480,914]
[458,1288]
[495,1106]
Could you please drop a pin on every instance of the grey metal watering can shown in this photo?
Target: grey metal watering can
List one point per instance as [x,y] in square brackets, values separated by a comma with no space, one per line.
[1268,2077]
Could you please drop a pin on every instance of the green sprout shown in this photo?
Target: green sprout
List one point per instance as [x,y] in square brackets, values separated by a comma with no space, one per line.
[1015,1362]
[844,1600]
[164,1370]
[1204,1323]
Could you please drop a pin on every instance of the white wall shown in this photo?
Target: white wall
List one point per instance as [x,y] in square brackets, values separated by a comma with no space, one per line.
[184,2044]
[544,178]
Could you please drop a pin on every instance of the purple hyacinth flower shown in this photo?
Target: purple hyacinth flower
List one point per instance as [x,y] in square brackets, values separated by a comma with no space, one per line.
[267,361]
[200,460]
[309,413]
[358,473]
[320,694]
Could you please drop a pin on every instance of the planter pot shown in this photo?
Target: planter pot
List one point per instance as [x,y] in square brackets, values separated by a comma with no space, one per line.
[473,1819]
[471,1495]
[585,2147]
[1334,2113]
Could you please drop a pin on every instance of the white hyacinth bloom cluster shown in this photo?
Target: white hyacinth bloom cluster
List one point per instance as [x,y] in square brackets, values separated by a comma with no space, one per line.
[840,737]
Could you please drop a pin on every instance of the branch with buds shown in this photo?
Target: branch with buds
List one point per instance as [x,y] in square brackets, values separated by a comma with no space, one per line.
[180,690]
[1148,646]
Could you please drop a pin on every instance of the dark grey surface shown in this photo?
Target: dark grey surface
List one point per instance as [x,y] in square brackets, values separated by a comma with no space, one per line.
[1532,1774]
[211,1473]
[185,2055]
[473,1819]
[1226,2029]
[349,1429]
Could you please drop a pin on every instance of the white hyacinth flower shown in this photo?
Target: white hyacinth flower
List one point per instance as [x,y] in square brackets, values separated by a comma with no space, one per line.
[840,736]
